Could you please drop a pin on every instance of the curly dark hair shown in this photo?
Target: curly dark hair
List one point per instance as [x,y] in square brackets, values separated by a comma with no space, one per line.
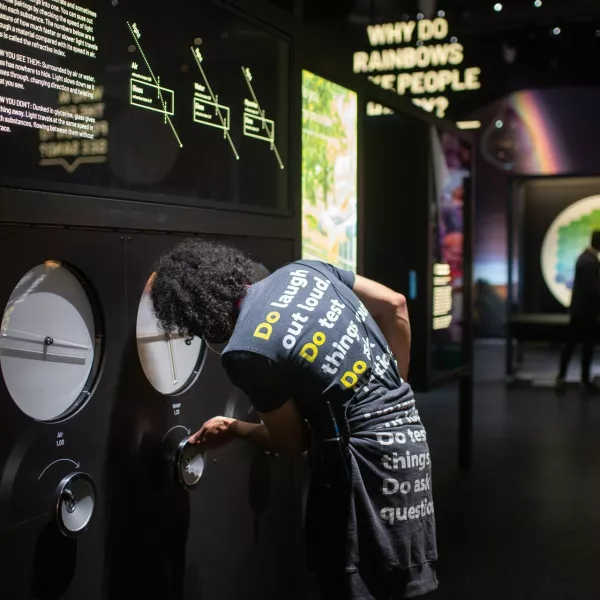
[197,287]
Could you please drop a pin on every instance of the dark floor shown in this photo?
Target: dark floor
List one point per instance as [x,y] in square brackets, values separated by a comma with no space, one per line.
[525,523]
[539,364]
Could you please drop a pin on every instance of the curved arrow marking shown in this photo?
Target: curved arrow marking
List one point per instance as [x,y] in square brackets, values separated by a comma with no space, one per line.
[173,428]
[57,461]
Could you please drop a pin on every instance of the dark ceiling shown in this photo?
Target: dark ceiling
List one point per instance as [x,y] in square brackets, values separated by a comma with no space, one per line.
[470,14]
[521,46]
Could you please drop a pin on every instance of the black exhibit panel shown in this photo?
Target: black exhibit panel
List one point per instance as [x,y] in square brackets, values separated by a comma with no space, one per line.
[556,217]
[61,339]
[396,226]
[178,522]
[182,102]
[101,497]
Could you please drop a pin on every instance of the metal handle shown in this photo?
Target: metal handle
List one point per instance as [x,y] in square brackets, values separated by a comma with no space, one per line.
[69,500]
[36,338]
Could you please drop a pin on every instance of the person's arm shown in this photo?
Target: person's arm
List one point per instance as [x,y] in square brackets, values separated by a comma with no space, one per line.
[587,280]
[282,430]
[596,282]
[390,312]
[268,387]
[219,431]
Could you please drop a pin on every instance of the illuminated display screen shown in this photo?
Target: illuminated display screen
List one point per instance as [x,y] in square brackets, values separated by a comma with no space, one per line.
[568,236]
[451,164]
[181,103]
[329,172]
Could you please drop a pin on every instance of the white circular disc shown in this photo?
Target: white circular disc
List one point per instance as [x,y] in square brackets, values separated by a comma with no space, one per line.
[567,237]
[47,340]
[170,364]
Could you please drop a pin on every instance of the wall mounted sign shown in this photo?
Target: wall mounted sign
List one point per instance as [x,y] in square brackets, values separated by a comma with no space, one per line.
[418,59]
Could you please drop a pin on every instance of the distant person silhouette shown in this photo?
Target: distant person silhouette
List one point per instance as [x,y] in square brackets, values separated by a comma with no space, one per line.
[584,311]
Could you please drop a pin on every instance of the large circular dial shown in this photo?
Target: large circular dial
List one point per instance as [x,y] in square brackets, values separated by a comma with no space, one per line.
[170,362]
[49,343]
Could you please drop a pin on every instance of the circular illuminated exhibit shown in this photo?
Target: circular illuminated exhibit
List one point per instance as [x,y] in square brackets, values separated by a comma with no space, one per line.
[171,363]
[568,236]
[49,343]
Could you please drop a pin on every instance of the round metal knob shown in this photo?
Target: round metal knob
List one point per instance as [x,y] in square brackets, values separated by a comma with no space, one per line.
[75,503]
[189,464]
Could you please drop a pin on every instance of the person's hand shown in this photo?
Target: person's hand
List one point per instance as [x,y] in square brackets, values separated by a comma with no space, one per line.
[216,432]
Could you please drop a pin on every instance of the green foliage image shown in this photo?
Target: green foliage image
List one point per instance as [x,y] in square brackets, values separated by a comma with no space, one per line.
[321,128]
[328,172]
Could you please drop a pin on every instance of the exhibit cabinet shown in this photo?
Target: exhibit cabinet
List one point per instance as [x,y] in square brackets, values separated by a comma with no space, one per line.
[550,223]
[126,126]
[418,177]
[413,219]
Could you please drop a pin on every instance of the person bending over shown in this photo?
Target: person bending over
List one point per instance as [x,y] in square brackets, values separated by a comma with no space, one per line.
[323,356]
[584,311]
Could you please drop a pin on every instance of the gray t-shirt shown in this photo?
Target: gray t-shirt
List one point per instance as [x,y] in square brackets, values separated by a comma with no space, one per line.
[303,334]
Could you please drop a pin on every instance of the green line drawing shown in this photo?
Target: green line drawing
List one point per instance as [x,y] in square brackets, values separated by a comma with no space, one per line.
[252,113]
[212,101]
[136,97]
[136,35]
[204,118]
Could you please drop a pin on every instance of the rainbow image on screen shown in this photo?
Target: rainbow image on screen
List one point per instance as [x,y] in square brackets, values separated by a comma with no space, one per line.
[523,138]
[568,236]
[545,156]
